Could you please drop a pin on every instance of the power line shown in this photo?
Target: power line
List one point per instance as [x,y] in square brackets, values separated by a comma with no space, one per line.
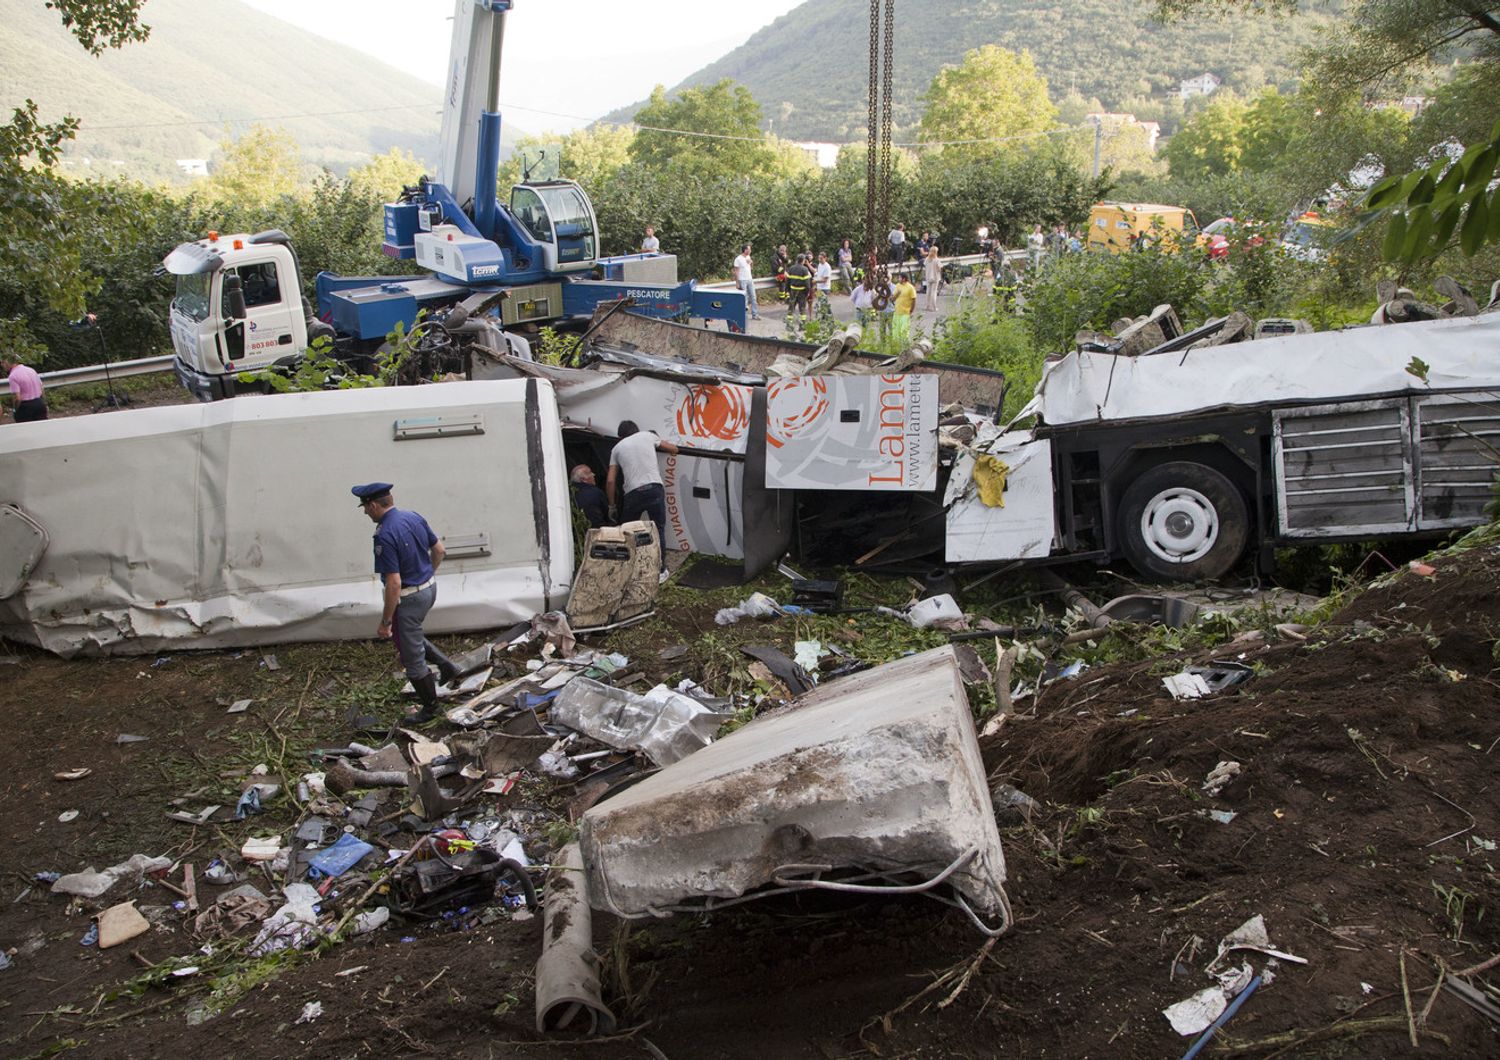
[268,117]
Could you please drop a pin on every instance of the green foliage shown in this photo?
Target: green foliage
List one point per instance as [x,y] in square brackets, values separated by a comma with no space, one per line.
[727,113]
[557,347]
[1209,144]
[101,24]
[255,170]
[1091,291]
[993,94]
[985,335]
[1428,207]
[319,369]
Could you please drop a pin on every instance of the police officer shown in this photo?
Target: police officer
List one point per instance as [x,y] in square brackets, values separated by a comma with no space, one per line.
[407,556]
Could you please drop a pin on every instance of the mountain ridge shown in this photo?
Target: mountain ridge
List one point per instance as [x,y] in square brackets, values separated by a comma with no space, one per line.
[1125,56]
[211,68]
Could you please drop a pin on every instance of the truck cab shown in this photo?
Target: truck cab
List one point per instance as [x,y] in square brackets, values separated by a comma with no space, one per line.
[238,308]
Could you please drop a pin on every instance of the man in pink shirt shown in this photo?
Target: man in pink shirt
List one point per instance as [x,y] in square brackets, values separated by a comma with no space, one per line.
[25,390]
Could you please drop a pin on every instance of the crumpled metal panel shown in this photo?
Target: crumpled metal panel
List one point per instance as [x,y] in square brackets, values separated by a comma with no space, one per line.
[880,771]
[666,725]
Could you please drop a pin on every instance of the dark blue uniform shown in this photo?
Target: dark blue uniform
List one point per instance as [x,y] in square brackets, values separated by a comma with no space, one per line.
[403,545]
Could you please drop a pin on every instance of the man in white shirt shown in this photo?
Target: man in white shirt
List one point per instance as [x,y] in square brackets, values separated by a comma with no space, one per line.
[650,245]
[823,276]
[897,239]
[744,276]
[633,459]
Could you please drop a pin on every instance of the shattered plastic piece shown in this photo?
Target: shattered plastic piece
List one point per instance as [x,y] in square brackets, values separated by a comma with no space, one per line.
[664,724]
[556,764]
[934,609]
[1012,804]
[807,653]
[91,884]
[756,605]
[90,937]
[249,803]
[1194,1015]
[239,706]
[1251,935]
[1219,816]
[68,815]
[121,923]
[370,920]
[310,1011]
[1186,685]
[4,960]
[126,737]
[270,663]
[72,774]
[261,849]
[293,925]
[793,676]
[1426,570]
[341,857]
[1220,776]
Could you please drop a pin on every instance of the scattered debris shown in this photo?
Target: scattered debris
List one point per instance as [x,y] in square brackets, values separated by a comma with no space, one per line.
[72,774]
[1220,776]
[756,605]
[239,706]
[121,923]
[664,724]
[67,815]
[310,1011]
[126,737]
[91,884]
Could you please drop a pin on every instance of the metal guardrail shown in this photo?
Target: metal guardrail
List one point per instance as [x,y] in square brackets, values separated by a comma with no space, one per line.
[912,266]
[99,373]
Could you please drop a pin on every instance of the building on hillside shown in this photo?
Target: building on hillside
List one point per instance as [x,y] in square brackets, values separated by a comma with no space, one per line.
[1205,84]
[193,167]
[825,155]
[1111,122]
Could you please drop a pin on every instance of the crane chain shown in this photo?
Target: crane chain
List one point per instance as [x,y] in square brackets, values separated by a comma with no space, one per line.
[885,118]
[872,126]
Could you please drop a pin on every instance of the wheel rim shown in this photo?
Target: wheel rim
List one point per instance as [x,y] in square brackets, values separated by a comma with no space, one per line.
[1179,525]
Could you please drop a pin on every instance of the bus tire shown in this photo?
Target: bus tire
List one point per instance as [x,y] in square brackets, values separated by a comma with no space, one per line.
[1183,522]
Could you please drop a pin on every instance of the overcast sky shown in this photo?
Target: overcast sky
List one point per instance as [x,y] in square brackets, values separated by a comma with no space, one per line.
[566,62]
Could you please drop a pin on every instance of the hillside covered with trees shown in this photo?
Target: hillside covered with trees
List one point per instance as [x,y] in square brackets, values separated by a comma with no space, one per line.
[808,69]
[211,69]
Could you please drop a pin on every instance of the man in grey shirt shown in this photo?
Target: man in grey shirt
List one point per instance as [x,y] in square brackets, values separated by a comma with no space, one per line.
[634,459]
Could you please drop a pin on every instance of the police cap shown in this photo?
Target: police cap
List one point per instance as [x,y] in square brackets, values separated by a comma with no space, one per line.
[370,490]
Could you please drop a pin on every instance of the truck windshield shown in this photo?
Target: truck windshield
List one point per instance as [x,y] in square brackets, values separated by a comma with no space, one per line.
[193,294]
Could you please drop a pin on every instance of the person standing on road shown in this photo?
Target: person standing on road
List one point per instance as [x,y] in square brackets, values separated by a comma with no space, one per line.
[903,301]
[823,277]
[650,244]
[932,276]
[862,298]
[633,459]
[25,390]
[407,557]
[779,263]
[1036,243]
[744,276]
[897,240]
[799,281]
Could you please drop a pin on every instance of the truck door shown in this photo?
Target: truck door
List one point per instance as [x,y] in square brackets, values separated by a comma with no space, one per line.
[271,299]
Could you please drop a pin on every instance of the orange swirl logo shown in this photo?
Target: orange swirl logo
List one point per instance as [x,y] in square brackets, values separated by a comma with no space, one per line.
[793,407]
[714,411]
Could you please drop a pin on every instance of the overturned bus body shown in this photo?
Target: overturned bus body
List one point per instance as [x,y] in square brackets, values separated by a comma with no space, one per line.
[206,526]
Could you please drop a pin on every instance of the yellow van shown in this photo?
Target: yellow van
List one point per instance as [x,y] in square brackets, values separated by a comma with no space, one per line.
[1115,226]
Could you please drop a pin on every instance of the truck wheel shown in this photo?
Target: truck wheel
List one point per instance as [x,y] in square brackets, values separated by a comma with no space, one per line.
[1183,522]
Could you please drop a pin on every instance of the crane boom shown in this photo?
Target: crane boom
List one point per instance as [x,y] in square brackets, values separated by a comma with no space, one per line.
[471,103]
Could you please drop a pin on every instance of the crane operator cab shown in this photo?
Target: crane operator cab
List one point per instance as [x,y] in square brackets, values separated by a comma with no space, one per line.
[558,215]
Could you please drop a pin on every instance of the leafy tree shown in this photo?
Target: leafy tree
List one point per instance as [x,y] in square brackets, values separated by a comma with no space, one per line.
[1078,291]
[263,165]
[1210,144]
[40,241]
[383,176]
[591,156]
[727,115]
[994,95]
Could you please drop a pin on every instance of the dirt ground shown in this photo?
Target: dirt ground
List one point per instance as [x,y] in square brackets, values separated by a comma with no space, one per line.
[1366,818]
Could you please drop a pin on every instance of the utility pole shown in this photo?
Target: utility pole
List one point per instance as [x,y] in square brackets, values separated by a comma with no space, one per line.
[1098,142]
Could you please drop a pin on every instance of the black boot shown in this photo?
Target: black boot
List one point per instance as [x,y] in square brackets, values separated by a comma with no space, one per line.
[449,674]
[426,688]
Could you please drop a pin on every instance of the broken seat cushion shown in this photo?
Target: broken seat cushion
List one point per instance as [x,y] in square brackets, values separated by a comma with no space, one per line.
[878,771]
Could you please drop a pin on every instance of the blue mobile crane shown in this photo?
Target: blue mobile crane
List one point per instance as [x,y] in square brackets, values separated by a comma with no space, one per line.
[490,266]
